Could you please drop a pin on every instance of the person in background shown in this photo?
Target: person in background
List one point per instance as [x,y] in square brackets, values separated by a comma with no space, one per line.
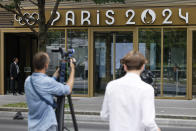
[15,77]
[147,75]
[85,63]
[176,72]
[129,101]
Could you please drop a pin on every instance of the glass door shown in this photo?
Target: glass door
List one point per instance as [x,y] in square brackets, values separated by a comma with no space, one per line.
[109,48]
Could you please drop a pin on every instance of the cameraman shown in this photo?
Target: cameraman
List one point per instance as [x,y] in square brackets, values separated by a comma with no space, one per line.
[41,116]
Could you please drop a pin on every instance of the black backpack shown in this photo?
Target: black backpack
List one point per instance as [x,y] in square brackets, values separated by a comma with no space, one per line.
[147,76]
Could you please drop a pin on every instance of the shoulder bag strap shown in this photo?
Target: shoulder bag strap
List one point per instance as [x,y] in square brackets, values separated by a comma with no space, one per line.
[41,97]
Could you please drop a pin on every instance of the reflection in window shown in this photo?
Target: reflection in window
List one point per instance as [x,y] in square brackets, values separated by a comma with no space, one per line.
[106,49]
[124,44]
[174,62]
[55,40]
[78,40]
[102,42]
[150,47]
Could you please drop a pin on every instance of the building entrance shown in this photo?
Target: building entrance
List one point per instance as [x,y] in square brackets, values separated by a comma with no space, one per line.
[22,46]
[109,48]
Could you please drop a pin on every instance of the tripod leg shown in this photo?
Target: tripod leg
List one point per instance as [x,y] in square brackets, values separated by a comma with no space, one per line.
[60,112]
[72,113]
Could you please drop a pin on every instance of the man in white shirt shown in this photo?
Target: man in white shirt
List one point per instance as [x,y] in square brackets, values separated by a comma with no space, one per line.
[128,101]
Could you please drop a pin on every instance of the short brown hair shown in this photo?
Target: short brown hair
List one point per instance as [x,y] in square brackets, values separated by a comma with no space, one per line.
[134,60]
[40,60]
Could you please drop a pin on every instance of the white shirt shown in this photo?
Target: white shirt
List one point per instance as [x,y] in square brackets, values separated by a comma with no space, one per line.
[85,63]
[129,104]
[17,67]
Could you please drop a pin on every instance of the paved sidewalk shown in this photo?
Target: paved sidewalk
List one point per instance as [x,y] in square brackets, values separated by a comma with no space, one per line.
[168,112]
[163,106]
[93,104]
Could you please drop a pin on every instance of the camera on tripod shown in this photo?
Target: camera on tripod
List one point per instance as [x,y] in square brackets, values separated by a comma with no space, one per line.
[63,77]
[65,55]
[64,63]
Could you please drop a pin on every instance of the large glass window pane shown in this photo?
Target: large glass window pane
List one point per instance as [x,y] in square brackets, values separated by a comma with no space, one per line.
[103,58]
[110,47]
[78,40]
[174,62]
[124,44]
[56,39]
[150,47]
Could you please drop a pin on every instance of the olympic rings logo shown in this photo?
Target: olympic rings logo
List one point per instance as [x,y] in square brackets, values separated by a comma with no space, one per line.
[30,18]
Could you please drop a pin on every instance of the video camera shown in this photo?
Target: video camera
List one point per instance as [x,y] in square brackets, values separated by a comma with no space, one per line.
[65,55]
[64,63]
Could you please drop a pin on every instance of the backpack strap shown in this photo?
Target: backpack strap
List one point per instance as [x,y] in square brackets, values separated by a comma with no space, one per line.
[41,97]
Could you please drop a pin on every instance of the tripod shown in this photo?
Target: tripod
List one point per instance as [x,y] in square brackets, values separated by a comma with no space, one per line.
[61,101]
[60,113]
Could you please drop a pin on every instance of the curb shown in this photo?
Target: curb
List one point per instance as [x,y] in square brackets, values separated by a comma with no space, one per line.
[15,109]
[182,117]
[89,113]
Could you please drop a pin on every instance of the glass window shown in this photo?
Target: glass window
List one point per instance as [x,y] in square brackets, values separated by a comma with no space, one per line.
[110,47]
[150,47]
[56,39]
[174,62]
[124,44]
[103,72]
[78,40]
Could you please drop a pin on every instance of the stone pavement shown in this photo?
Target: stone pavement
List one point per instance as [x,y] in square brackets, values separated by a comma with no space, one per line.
[176,112]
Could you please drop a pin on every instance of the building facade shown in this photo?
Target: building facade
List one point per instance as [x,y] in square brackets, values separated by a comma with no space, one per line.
[164,32]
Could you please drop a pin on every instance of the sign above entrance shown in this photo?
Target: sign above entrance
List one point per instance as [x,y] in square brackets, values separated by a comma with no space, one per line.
[144,16]
[115,17]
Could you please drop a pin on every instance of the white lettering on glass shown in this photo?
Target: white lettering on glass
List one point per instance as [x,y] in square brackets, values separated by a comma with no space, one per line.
[86,19]
[110,17]
[67,18]
[130,22]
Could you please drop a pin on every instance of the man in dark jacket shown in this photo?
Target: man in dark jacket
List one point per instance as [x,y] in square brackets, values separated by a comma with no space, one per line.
[14,76]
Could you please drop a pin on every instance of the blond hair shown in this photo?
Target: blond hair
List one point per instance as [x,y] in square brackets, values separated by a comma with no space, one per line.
[134,60]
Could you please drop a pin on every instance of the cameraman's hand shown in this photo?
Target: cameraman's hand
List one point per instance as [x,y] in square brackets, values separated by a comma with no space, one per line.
[70,81]
[72,66]
[56,74]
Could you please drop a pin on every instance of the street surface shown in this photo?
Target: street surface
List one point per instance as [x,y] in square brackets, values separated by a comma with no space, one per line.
[21,125]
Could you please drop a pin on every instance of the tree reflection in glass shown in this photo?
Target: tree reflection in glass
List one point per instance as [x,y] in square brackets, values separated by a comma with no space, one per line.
[174,62]
[150,47]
